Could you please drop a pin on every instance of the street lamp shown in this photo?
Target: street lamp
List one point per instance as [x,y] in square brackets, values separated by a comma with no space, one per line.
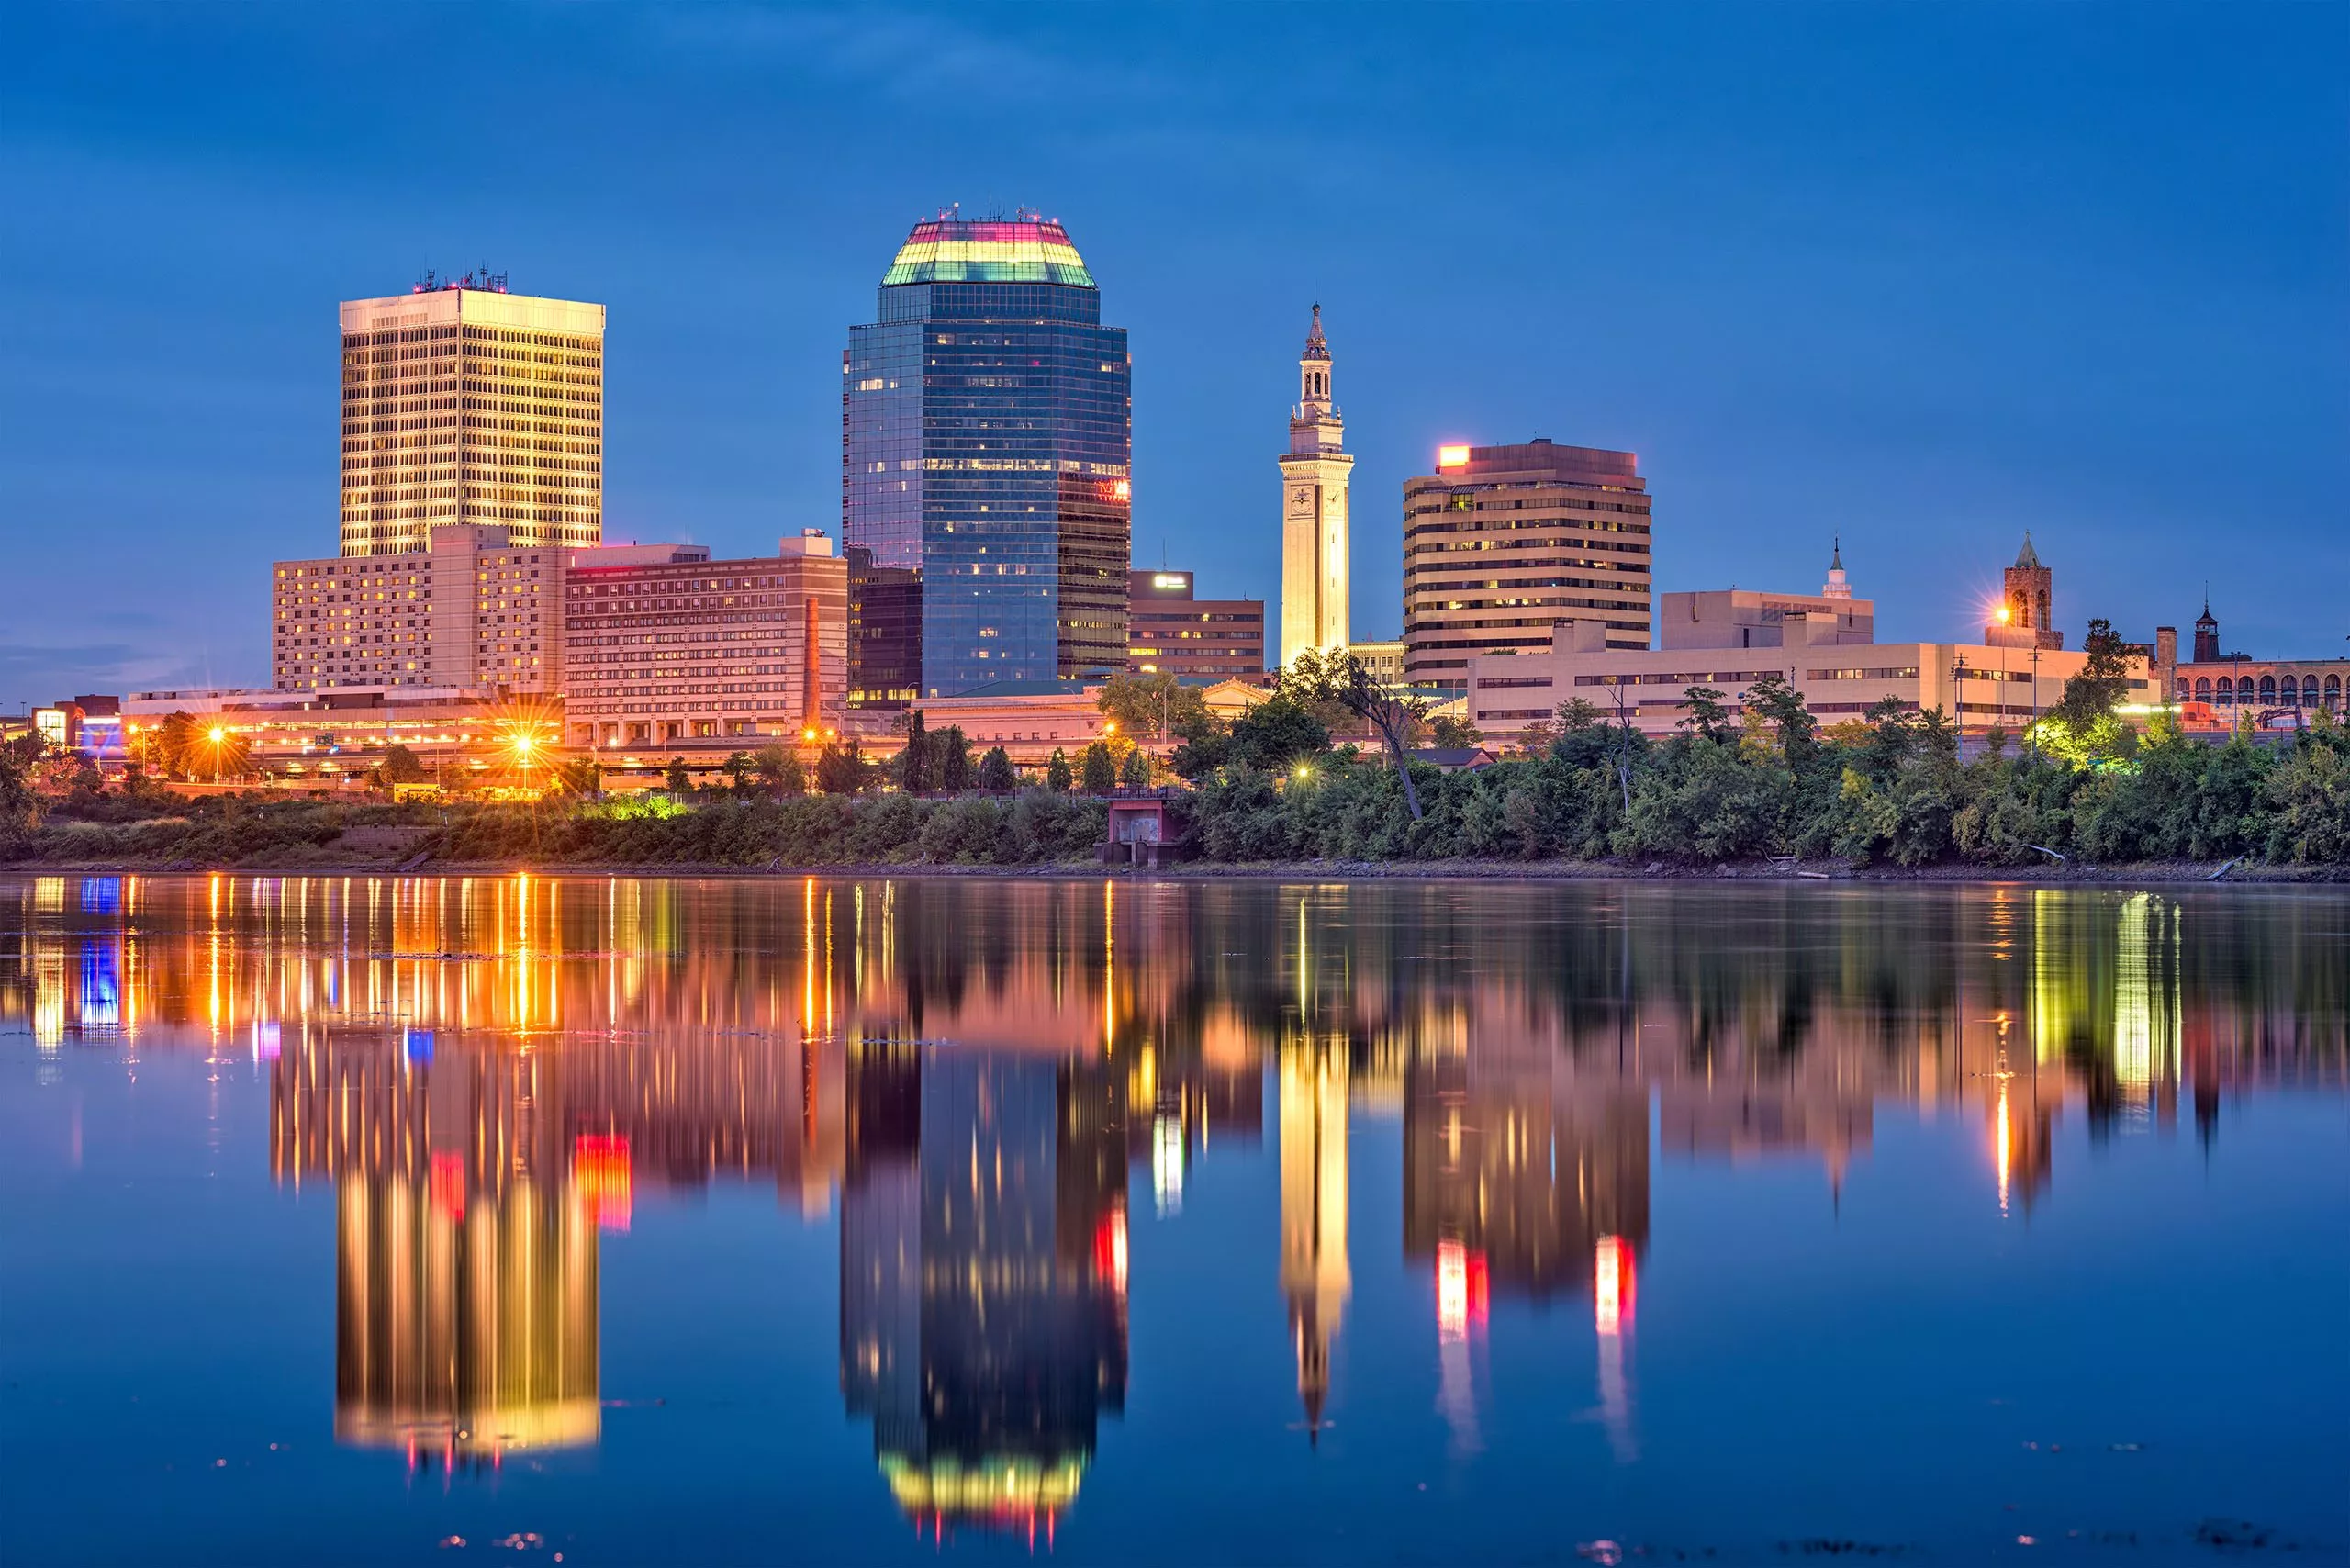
[218,736]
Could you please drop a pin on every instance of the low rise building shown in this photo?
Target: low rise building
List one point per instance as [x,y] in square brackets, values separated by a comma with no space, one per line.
[1033,719]
[657,653]
[327,738]
[2223,689]
[1169,631]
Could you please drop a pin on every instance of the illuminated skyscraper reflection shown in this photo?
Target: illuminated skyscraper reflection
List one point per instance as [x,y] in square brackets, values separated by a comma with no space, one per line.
[983,1276]
[465,1243]
[1316,1276]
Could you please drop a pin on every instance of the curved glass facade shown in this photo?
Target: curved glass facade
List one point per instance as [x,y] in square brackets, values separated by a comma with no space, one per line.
[987,439]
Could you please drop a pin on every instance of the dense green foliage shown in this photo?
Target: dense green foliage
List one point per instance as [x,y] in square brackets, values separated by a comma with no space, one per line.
[1890,791]
[714,828]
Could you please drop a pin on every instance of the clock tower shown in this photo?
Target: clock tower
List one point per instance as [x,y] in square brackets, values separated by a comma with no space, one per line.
[1316,564]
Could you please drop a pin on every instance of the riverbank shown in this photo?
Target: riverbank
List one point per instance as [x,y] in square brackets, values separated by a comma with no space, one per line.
[2154,874]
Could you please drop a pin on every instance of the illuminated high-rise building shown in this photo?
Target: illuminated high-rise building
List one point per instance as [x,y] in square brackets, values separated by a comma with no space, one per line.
[987,440]
[1503,545]
[464,404]
[1317,560]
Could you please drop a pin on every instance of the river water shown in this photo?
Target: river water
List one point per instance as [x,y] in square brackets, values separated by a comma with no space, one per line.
[407,1220]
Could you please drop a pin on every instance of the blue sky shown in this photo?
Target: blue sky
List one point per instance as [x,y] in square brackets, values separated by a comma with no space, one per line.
[1924,276]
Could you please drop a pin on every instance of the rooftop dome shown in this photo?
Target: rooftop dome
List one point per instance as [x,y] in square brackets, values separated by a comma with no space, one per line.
[1023,248]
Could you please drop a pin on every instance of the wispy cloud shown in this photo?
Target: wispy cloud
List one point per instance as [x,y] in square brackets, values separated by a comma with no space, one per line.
[44,674]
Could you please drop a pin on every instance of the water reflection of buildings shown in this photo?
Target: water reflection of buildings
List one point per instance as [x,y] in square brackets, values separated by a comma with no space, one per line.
[599,1037]
[464,1241]
[983,1276]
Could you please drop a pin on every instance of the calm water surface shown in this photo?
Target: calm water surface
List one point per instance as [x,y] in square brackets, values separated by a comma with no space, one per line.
[365,1220]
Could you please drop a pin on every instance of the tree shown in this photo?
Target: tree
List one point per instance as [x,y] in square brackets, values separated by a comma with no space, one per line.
[1099,774]
[1151,706]
[1340,677]
[20,802]
[996,772]
[1455,731]
[1275,734]
[2103,682]
[1776,702]
[401,765]
[952,754]
[1057,773]
[738,768]
[678,780]
[778,768]
[1708,718]
[913,758]
[840,768]
[582,775]
[1134,772]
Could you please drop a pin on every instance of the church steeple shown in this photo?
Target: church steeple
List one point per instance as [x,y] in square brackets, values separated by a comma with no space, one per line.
[1836,586]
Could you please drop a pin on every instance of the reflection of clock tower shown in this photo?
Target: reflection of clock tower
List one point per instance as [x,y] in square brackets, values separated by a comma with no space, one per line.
[1315,548]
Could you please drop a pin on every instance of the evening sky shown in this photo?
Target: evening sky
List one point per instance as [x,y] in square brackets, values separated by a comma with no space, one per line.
[1924,276]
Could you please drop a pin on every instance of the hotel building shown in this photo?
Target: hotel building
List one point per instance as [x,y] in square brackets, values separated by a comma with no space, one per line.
[1502,544]
[1316,546]
[477,609]
[464,404]
[1170,633]
[696,649]
[987,442]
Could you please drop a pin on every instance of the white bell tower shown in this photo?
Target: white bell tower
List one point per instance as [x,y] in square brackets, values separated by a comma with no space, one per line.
[1317,566]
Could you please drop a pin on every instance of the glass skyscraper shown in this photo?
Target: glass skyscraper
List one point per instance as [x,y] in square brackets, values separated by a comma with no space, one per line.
[986,440]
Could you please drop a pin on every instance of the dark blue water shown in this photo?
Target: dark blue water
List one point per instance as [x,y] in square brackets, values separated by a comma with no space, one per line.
[359,1221]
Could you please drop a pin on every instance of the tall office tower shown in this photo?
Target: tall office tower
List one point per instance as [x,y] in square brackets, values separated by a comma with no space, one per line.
[987,439]
[1316,564]
[1502,544]
[464,404]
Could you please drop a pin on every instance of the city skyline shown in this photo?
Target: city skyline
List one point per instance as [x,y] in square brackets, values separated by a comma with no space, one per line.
[2009,316]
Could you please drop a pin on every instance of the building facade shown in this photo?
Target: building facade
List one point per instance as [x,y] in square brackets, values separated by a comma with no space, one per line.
[1170,633]
[884,634]
[2230,688]
[987,442]
[1503,543]
[464,404]
[1317,560]
[663,651]
[1817,645]
[479,608]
